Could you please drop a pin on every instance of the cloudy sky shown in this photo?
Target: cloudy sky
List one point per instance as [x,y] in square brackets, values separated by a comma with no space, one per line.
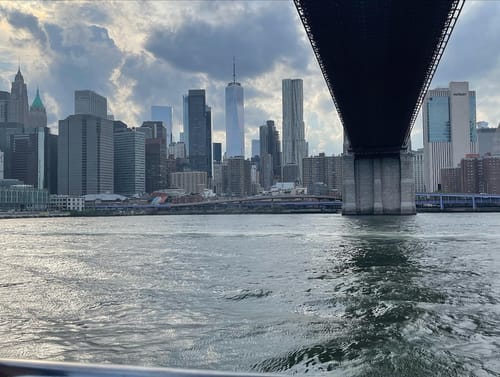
[140,54]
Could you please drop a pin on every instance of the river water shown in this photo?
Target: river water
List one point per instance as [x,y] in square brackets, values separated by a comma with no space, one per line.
[315,294]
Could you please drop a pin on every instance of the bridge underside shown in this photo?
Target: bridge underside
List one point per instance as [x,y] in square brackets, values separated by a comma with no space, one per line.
[378,58]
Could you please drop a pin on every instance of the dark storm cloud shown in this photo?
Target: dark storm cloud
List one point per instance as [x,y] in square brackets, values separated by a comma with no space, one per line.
[26,22]
[83,57]
[473,49]
[259,38]
[157,83]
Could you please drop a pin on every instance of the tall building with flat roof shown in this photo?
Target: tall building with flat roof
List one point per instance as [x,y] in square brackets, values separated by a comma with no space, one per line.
[255,147]
[28,160]
[85,155]
[199,132]
[156,165]
[266,176]
[418,169]
[51,158]
[485,140]
[6,131]
[449,125]
[269,143]
[294,143]
[235,121]
[184,135]
[156,155]
[1,165]
[4,106]
[154,129]
[90,103]
[129,162]
[217,152]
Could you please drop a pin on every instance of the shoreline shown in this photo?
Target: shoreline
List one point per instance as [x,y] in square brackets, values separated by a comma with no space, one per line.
[170,212]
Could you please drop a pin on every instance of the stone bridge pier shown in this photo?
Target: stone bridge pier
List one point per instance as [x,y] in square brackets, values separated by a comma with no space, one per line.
[378,184]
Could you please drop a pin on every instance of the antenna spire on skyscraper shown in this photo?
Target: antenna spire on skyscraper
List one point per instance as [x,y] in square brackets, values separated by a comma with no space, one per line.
[234,70]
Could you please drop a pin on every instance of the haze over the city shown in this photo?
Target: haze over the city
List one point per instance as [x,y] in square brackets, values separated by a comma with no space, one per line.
[143,54]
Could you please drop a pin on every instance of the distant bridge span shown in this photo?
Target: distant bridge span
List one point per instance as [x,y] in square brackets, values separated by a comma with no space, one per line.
[378,58]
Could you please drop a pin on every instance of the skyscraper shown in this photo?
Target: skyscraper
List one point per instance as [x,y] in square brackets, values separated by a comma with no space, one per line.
[28,160]
[418,169]
[294,144]
[18,111]
[235,127]
[255,147]
[4,106]
[217,152]
[199,132]
[485,140]
[37,114]
[449,129]
[85,148]
[184,136]
[154,129]
[163,113]
[1,165]
[85,155]
[91,103]
[270,144]
[129,160]
[156,155]
[24,137]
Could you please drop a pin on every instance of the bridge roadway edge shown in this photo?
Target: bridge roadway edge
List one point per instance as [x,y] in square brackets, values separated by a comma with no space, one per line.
[378,185]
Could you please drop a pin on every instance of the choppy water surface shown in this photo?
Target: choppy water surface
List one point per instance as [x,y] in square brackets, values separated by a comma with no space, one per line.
[322,294]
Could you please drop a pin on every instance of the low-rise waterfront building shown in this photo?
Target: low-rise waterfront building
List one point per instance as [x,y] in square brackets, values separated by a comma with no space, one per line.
[66,203]
[16,196]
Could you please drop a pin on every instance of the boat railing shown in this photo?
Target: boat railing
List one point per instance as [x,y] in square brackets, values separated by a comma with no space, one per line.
[25,368]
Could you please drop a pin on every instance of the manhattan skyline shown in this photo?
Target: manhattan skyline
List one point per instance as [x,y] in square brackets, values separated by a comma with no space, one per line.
[137,63]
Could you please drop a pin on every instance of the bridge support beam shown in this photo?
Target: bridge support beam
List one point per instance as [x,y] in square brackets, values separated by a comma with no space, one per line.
[378,185]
